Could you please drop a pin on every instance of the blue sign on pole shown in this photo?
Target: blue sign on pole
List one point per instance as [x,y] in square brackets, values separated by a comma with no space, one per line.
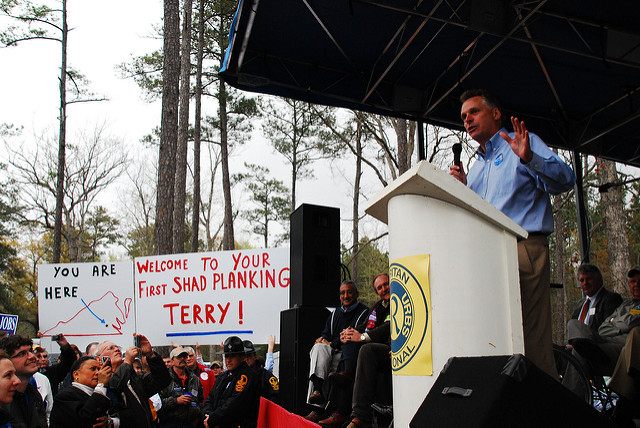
[8,323]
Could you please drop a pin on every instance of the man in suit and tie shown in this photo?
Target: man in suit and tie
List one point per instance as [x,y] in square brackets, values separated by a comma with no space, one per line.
[598,302]
[592,310]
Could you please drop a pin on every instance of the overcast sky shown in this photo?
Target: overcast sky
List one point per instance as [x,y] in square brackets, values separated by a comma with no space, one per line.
[104,35]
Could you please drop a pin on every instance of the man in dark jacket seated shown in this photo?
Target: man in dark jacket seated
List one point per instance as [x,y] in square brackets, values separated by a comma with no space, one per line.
[598,302]
[599,351]
[374,360]
[326,354]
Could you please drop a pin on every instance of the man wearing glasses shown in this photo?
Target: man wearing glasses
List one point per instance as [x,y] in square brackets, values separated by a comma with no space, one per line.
[27,407]
[129,391]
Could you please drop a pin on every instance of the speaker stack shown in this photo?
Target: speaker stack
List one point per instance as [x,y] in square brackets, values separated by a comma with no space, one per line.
[501,391]
[315,279]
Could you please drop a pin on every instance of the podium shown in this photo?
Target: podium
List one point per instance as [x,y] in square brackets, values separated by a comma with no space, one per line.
[473,271]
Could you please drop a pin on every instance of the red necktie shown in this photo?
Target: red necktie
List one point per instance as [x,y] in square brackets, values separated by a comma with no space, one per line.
[585,310]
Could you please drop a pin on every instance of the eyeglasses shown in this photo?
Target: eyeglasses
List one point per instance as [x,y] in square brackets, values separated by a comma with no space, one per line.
[111,348]
[22,354]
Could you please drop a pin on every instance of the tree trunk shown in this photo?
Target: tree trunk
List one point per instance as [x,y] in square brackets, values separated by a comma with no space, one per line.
[195,218]
[57,228]
[401,133]
[615,227]
[183,132]
[560,312]
[229,242]
[356,206]
[169,127]
[266,227]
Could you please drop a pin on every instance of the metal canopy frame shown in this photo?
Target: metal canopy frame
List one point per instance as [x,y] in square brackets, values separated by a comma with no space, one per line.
[569,68]
[579,61]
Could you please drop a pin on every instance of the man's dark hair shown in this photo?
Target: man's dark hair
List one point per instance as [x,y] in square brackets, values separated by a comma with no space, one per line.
[488,99]
[589,268]
[86,350]
[373,283]
[352,283]
[11,343]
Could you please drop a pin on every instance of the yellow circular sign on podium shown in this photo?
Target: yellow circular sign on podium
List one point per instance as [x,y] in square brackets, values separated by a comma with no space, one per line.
[410,316]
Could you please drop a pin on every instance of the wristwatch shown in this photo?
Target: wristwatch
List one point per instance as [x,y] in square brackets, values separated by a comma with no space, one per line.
[363,337]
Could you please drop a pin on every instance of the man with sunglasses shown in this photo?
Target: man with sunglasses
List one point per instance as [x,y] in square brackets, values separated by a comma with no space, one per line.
[27,407]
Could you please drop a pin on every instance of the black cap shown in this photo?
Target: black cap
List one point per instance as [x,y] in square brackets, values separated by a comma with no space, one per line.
[248,347]
[633,272]
[233,345]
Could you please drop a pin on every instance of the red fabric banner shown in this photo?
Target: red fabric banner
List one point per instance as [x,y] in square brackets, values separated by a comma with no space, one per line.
[271,415]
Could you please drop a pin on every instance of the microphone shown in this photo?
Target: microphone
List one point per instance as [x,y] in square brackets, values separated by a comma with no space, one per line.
[457,149]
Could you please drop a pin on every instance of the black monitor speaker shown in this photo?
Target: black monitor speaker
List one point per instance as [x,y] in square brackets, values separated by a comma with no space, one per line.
[299,328]
[501,391]
[315,256]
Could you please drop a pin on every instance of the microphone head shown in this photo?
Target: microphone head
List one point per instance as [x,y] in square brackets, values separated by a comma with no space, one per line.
[457,149]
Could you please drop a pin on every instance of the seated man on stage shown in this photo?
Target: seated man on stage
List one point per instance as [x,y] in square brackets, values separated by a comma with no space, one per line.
[600,350]
[341,381]
[625,380]
[598,302]
[326,353]
[374,359]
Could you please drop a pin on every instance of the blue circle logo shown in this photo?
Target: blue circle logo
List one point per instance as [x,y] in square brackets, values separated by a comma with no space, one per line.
[409,316]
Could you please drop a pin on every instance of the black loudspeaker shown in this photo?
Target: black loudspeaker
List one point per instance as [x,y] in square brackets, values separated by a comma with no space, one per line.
[501,391]
[315,256]
[299,328]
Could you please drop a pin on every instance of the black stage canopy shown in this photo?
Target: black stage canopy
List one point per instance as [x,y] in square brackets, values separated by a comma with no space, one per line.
[569,68]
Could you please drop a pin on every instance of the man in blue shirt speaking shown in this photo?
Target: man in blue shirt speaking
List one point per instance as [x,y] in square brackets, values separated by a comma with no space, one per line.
[516,172]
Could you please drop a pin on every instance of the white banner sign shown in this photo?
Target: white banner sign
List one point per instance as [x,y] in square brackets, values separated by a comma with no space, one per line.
[205,297]
[87,302]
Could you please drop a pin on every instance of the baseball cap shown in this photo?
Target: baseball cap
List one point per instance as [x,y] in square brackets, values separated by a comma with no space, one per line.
[176,352]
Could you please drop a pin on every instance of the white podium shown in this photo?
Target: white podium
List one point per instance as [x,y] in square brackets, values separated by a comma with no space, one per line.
[473,275]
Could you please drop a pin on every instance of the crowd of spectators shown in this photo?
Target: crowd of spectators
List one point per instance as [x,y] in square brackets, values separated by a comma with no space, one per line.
[109,386]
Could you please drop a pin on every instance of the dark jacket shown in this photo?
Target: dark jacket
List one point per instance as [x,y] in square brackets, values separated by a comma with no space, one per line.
[375,327]
[72,407]
[5,417]
[269,386]
[27,410]
[234,400]
[173,413]
[378,326]
[129,392]
[341,319]
[606,303]
[57,372]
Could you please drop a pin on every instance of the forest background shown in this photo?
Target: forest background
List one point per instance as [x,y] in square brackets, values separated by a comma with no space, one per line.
[112,150]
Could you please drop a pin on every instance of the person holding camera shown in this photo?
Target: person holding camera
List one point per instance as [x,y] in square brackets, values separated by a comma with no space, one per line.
[129,391]
[56,372]
[84,404]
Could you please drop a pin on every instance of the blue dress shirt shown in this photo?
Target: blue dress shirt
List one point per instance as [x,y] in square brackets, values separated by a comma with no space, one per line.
[521,191]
